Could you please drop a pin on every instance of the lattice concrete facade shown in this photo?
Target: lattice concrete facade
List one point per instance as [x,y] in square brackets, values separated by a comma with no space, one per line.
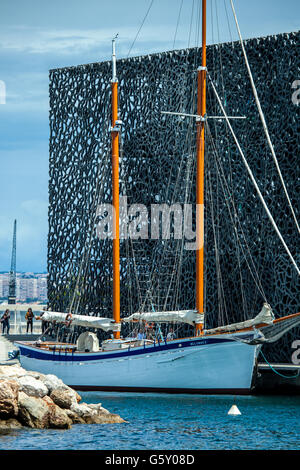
[157,166]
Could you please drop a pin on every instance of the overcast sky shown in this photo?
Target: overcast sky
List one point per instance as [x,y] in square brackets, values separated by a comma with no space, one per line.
[37,35]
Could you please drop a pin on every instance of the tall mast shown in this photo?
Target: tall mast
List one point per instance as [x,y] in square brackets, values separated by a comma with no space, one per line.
[115,192]
[201,111]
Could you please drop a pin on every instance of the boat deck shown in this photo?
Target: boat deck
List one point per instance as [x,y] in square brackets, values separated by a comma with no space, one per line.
[72,348]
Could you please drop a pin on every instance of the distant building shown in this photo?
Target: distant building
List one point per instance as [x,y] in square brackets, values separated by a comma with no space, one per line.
[4,285]
[29,286]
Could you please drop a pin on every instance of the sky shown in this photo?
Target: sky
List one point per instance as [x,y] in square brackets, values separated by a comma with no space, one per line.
[38,35]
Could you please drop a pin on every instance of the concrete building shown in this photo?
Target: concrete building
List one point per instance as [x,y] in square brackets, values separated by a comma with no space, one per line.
[29,286]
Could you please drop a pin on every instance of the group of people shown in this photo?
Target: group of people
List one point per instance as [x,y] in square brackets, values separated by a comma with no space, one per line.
[5,321]
[149,334]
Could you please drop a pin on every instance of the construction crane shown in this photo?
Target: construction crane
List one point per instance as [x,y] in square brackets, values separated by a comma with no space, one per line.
[12,274]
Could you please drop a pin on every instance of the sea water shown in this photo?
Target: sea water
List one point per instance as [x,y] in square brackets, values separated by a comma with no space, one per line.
[174,422]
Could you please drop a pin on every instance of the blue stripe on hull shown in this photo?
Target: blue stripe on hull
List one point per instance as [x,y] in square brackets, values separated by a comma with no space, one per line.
[56,355]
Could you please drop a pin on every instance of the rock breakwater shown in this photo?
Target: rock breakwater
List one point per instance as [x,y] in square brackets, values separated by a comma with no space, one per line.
[36,400]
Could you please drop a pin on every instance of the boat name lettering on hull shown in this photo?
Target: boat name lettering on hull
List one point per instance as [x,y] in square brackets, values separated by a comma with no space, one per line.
[198,343]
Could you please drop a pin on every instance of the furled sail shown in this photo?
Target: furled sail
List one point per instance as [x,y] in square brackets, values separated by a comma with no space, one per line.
[268,328]
[265,317]
[105,324]
[280,326]
[273,332]
[185,316]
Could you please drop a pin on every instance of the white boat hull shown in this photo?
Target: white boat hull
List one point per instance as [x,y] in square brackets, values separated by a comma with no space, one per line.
[193,365]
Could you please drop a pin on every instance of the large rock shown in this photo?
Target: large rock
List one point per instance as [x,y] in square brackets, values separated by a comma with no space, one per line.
[82,409]
[9,425]
[74,417]
[32,386]
[15,371]
[42,413]
[33,412]
[65,397]
[95,414]
[36,375]
[58,418]
[104,416]
[8,398]
[52,382]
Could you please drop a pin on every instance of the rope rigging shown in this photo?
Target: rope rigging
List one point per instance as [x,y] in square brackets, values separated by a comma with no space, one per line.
[142,24]
[262,117]
[177,24]
[234,218]
[172,192]
[252,177]
[85,258]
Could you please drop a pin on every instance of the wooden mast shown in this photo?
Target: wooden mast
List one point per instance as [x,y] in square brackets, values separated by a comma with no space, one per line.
[201,111]
[115,192]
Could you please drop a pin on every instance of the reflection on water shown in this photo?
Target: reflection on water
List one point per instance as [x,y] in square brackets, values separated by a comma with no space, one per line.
[175,422]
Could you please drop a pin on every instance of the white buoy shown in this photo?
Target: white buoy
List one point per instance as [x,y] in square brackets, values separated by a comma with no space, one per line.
[234,411]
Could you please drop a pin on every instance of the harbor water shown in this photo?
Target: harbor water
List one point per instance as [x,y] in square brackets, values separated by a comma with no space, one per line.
[175,422]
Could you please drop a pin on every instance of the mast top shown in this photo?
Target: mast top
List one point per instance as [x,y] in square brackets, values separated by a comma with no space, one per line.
[114,62]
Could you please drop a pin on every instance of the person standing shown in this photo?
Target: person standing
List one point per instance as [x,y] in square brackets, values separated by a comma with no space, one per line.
[171,335]
[44,323]
[5,321]
[29,318]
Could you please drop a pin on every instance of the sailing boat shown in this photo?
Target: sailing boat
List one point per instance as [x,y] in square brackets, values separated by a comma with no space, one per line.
[220,360]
